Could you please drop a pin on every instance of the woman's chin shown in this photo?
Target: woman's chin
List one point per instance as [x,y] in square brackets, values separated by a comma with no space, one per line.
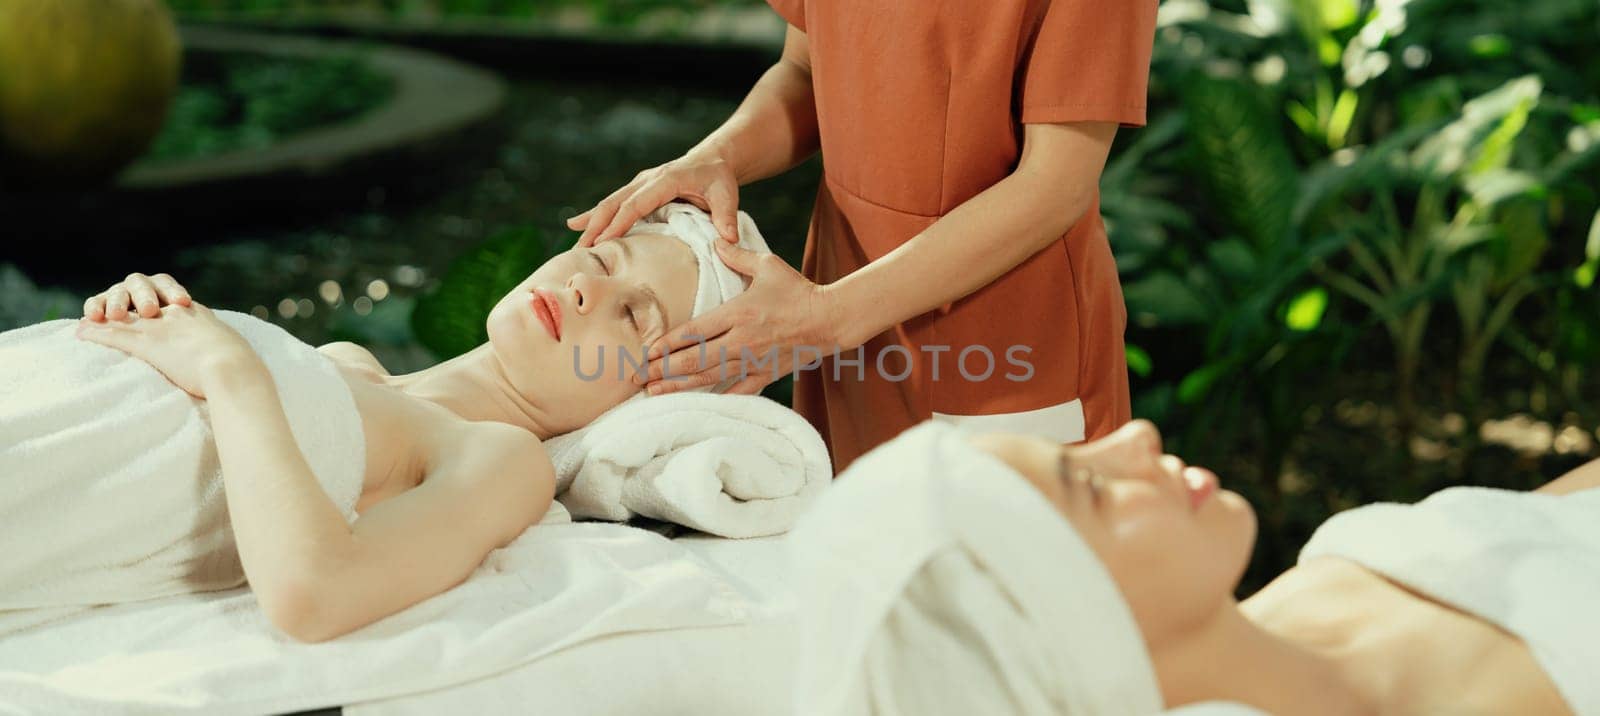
[1240,525]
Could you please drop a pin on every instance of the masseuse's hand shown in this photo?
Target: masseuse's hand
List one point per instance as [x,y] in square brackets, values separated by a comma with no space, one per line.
[188,344]
[704,180]
[145,294]
[781,310]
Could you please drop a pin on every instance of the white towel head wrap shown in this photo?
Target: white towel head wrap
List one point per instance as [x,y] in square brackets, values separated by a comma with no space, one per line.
[936,580]
[718,283]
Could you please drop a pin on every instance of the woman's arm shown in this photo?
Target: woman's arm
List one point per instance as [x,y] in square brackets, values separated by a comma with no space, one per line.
[991,233]
[1582,478]
[318,577]
[315,575]
[1051,189]
[775,127]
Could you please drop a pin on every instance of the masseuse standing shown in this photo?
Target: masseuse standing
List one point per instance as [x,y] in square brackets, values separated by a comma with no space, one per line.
[962,145]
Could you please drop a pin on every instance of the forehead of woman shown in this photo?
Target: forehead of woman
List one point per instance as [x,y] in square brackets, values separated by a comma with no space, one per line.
[662,263]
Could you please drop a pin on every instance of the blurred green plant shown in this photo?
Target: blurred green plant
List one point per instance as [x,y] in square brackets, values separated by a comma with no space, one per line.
[1255,324]
[1426,212]
[249,102]
[1315,170]
[23,303]
[451,319]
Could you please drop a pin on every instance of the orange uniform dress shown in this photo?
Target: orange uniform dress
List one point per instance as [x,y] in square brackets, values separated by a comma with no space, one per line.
[920,105]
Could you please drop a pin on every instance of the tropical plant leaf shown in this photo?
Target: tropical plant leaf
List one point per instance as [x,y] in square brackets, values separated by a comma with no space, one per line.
[1139,361]
[1523,244]
[451,320]
[1330,181]
[1499,185]
[1460,143]
[1306,310]
[1233,260]
[1164,298]
[1120,173]
[1197,385]
[1243,157]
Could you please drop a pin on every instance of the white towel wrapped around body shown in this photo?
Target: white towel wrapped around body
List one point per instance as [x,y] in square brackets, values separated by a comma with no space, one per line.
[110,487]
[1528,563]
[730,465]
[215,654]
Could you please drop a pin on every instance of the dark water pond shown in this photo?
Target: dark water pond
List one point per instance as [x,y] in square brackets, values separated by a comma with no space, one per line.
[357,275]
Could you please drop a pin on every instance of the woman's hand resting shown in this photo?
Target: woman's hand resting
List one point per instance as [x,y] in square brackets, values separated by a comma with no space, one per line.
[187,343]
[143,294]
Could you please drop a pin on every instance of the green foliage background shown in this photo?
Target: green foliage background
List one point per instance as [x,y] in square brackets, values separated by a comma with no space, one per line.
[246,102]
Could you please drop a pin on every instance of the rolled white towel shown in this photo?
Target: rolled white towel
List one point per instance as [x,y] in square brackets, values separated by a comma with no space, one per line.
[730,465]
[935,580]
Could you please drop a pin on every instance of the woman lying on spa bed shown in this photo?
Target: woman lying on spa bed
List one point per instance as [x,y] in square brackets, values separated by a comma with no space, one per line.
[452,465]
[1475,601]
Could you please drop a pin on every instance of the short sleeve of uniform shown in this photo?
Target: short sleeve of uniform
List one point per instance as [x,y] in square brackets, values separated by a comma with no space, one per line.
[793,11]
[1090,62]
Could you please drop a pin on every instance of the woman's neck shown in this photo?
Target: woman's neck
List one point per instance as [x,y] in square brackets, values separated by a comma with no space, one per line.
[475,387]
[1234,658]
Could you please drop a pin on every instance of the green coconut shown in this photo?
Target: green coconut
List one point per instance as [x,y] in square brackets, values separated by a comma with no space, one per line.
[84,87]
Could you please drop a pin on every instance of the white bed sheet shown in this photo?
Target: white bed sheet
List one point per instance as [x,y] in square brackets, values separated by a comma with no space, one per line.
[735,669]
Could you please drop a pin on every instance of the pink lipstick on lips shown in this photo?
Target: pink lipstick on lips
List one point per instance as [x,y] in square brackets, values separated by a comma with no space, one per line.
[548,311]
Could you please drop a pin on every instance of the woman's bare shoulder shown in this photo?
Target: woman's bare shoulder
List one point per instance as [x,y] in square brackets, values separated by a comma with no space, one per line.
[352,354]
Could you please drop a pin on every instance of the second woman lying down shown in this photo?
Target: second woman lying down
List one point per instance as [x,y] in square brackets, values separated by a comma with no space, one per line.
[1003,574]
[191,450]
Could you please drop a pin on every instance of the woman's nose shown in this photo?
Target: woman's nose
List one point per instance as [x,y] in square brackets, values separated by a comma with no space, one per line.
[588,291]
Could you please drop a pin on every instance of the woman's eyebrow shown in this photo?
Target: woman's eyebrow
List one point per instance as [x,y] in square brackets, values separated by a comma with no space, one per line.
[623,250]
[626,255]
[1064,474]
[661,308]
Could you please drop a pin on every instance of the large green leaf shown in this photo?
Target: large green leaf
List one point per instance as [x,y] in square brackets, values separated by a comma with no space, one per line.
[451,320]
[1523,244]
[1487,125]
[1380,164]
[1243,157]
[1165,299]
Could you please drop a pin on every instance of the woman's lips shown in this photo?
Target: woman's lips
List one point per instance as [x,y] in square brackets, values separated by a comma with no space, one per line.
[548,310]
[1202,483]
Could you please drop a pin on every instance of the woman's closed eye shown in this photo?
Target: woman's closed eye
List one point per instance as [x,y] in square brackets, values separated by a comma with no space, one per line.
[630,314]
[600,261]
[1086,478]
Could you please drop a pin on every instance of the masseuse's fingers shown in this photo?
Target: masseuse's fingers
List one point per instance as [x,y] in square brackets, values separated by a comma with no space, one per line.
[724,204]
[599,217]
[751,385]
[648,198]
[744,260]
[678,384]
[691,359]
[697,331]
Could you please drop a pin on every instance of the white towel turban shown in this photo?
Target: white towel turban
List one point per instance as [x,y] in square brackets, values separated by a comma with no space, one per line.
[718,283]
[937,581]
